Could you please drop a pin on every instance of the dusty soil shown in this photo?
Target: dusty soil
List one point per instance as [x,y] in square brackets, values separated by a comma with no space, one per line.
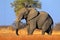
[6,34]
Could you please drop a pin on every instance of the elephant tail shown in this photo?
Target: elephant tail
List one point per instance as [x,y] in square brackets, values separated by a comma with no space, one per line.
[52,24]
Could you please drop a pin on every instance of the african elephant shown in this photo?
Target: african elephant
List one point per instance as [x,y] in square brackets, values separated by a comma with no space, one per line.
[43,21]
[40,20]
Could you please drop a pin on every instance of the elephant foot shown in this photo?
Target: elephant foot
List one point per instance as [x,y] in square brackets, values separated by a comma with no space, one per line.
[30,32]
[17,32]
[50,33]
[43,32]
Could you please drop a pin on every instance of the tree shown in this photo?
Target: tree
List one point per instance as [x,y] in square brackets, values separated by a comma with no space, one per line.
[18,4]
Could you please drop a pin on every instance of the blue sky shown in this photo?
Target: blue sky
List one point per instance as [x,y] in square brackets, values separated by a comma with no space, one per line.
[7,14]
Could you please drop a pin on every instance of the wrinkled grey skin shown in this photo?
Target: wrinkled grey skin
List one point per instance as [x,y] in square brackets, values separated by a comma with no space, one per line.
[41,21]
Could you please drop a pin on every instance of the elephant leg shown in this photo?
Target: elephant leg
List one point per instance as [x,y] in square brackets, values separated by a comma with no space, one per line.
[31,27]
[50,31]
[46,27]
[49,27]
[43,32]
[43,29]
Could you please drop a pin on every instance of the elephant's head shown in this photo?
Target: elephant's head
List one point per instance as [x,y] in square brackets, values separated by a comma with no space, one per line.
[25,13]
[21,15]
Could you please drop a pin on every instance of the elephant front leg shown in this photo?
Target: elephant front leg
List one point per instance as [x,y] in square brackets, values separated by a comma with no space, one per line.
[43,32]
[31,28]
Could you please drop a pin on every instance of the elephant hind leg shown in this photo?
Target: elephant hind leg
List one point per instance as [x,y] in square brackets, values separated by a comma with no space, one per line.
[46,27]
[49,31]
[43,29]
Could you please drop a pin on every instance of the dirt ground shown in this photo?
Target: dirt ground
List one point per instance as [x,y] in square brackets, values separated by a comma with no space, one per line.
[6,34]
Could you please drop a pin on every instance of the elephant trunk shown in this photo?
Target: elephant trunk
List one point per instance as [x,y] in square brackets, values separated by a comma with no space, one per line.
[17,32]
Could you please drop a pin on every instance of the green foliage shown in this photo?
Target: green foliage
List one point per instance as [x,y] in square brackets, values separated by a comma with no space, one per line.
[18,4]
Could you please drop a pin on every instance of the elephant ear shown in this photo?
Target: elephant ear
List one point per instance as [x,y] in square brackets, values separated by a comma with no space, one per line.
[32,14]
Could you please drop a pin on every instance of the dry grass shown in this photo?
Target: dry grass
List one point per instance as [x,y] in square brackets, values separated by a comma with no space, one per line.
[6,34]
